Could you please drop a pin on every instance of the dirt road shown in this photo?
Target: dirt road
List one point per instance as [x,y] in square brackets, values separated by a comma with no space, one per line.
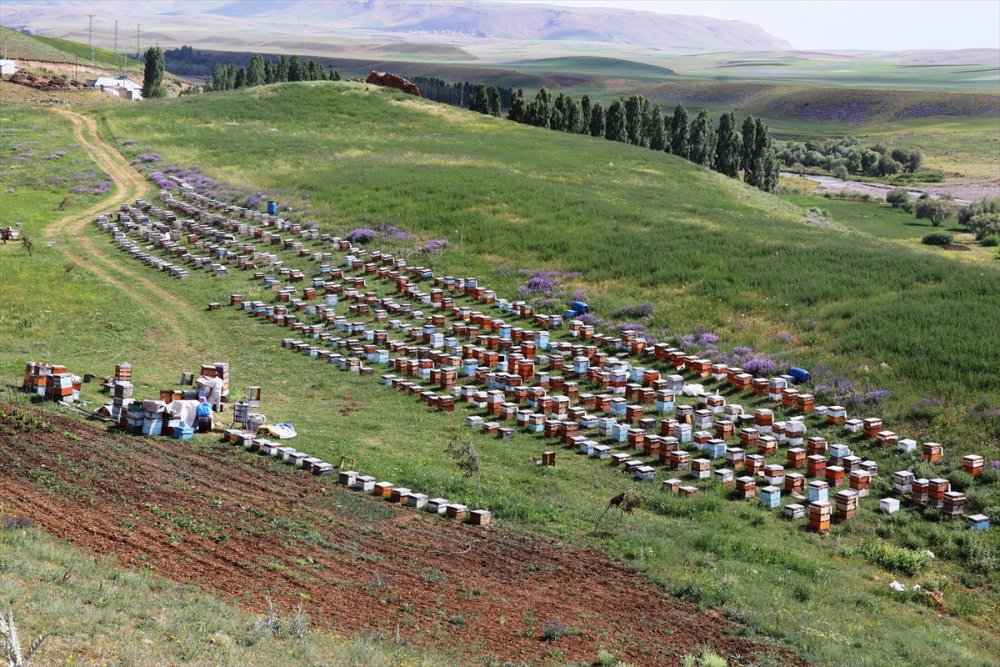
[102,259]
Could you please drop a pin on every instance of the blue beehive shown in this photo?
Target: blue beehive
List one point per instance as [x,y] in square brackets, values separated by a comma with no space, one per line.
[542,340]
[664,407]
[770,497]
[620,432]
[715,450]
[505,332]
[587,447]
[819,492]
[152,426]
[183,432]
[469,367]
[581,365]
[979,522]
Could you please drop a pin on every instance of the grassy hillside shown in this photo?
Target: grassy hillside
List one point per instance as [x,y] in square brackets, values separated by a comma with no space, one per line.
[52,49]
[639,226]
[692,242]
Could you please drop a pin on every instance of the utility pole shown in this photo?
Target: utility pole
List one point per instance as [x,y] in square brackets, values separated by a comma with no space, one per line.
[138,53]
[91,39]
[116,44]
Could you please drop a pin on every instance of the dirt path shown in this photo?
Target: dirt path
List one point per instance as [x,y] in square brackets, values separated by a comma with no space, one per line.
[243,527]
[68,234]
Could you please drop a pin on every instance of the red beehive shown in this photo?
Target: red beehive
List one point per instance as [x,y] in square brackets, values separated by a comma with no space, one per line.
[815,466]
[834,475]
[746,487]
[766,445]
[795,457]
[748,437]
[754,464]
[794,483]
[872,425]
[819,516]
[816,445]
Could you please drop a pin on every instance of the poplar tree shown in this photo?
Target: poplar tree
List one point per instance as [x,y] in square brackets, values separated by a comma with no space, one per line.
[614,123]
[657,140]
[585,110]
[152,78]
[479,101]
[679,132]
[496,102]
[728,147]
[633,120]
[700,141]
[747,153]
[255,75]
[597,120]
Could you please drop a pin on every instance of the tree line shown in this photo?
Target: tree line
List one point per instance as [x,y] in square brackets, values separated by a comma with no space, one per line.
[260,72]
[460,94]
[842,157]
[638,121]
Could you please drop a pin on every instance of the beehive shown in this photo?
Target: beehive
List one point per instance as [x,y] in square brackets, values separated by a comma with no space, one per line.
[794,483]
[819,516]
[770,497]
[795,457]
[847,504]
[746,487]
[816,466]
[972,464]
[795,511]
[754,464]
[932,452]
[818,491]
[725,477]
[859,482]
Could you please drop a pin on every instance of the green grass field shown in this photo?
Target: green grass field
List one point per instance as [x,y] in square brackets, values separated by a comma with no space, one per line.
[707,252]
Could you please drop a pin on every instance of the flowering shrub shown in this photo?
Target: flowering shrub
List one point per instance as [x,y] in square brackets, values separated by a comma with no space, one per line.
[396,233]
[162,181]
[434,246]
[361,236]
[540,283]
[142,158]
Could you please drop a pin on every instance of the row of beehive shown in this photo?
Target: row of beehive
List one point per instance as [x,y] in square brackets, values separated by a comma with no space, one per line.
[786,394]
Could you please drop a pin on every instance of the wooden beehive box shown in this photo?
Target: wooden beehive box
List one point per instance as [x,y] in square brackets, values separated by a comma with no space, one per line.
[872,425]
[734,457]
[456,511]
[766,445]
[834,475]
[480,517]
[755,464]
[972,464]
[746,487]
[725,477]
[383,489]
[795,457]
[847,504]
[932,452]
[819,516]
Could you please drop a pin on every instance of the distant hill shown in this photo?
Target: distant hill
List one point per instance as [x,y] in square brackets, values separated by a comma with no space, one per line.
[261,19]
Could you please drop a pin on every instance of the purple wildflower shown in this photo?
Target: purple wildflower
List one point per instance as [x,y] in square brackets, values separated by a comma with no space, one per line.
[579,296]
[361,236]
[394,232]
[541,283]
[146,157]
[760,365]
[435,246]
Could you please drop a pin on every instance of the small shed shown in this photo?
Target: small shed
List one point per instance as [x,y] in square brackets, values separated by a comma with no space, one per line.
[119,87]
[8,67]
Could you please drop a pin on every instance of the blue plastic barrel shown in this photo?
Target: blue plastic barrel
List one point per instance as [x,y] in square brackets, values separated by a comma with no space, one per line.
[580,307]
[272,207]
[800,375]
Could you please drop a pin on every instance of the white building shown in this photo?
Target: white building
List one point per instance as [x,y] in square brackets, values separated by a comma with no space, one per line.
[119,87]
[8,67]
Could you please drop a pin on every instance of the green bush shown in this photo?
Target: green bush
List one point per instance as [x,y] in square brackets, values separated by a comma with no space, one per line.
[960,480]
[991,242]
[937,238]
[894,559]
[977,552]
[897,197]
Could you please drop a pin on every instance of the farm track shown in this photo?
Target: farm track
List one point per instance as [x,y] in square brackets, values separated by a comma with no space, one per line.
[244,527]
[70,239]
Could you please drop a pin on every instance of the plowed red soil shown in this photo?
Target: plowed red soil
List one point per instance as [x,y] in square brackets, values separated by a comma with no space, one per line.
[245,527]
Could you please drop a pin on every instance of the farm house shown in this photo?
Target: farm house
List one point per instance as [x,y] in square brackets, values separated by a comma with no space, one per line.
[118,86]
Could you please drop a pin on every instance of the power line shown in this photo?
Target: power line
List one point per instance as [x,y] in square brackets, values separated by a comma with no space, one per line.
[91,38]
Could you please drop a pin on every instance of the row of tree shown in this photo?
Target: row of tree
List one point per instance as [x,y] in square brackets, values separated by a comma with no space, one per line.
[847,156]
[638,121]
[460,93]
[260,72]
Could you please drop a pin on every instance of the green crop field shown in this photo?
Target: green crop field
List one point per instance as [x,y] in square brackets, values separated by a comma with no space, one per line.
[709,254]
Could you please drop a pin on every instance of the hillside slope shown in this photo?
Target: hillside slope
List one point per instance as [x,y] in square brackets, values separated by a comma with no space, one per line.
[706,250]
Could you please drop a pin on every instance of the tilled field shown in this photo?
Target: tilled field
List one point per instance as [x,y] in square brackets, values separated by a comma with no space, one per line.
[244,527]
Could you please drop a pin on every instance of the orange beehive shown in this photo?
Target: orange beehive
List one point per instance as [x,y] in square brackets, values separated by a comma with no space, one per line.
[754,464]
[872,425]
[816,466]
[834,475]
[932,452]
[816,445]
[972,464]
[805,402]
[795,483]
[748,437]
[886,438]
[766,445]
[819,516]
[795,457]
[789,397]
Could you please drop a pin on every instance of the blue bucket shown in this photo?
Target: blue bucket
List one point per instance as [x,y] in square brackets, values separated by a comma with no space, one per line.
[272,207]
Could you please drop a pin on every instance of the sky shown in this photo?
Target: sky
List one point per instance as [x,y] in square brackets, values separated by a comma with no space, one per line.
[885,25]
